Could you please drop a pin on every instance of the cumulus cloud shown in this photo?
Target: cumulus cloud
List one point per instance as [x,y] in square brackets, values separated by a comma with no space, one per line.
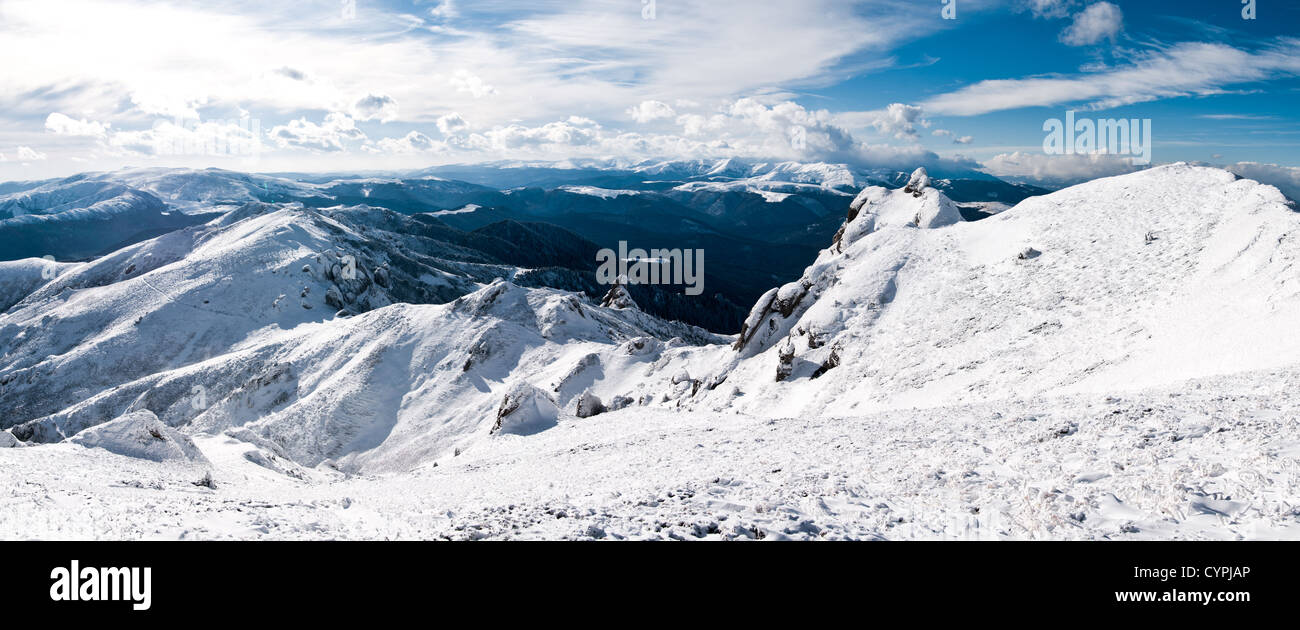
[744,127]
[180,60]
[452,123]
[945,133]
[466,81]
[171,102]
[1285,178]
[380,107]
[648,111]
[413,142]
[65,125]
[28,154]
[191,137]
[575,132]
[899,120]
[1059,170]
[329,135]
[1095,23]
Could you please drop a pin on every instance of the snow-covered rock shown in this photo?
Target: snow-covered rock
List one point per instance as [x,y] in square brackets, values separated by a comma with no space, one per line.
[618,297]
[141,435]
[526,409]
[7,440]
[874,209]
[588,405]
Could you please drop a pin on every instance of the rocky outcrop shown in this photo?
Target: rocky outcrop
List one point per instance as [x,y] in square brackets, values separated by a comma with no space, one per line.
[917,205]
[589,405]
[618,297]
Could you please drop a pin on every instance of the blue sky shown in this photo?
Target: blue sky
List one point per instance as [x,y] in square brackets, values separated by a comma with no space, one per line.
[339,85]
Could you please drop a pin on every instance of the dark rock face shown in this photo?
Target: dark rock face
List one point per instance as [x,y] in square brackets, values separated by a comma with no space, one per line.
[589,405]
[618,297]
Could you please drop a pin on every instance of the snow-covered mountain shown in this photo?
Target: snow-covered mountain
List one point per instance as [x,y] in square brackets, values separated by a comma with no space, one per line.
[1148,286]
[165,324]
[1142,280]
[78,218]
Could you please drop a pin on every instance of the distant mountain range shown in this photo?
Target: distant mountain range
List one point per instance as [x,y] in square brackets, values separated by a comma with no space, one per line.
[757,222]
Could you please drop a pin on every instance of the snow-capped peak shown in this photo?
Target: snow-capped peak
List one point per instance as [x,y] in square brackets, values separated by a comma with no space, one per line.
[874,209]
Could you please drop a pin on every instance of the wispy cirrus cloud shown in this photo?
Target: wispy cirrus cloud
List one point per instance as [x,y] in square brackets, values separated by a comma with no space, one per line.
[1182,70]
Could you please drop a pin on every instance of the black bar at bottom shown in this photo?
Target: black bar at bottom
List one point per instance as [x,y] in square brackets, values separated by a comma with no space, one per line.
[306,580]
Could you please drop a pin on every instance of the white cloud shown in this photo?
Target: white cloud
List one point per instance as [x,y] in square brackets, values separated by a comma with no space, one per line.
[899,120]
[191,138]
[1095,23]
[466,81]
[1182,70]
[28,154]
[955,138]
[1049,8]
[444,10]
[744,127]
[1236,117]
[648,111]
[586,57]
[380,107]
[65,125]
[413,142]
[452,123]
[332,134]
[162,101]
[1285,178]
[565,133]
[1059,169]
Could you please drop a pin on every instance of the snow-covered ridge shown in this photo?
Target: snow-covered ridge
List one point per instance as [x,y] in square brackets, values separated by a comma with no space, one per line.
[1088,289]
[1146,279]
[1023,376]
[603,193]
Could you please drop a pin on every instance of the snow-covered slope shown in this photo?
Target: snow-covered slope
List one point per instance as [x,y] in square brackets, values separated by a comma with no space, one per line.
[19,278]
[1135,281]
[200,190]
[1212,459]
[77,218]
[1078,344]
[246,323]
[189,295]
[387,389]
